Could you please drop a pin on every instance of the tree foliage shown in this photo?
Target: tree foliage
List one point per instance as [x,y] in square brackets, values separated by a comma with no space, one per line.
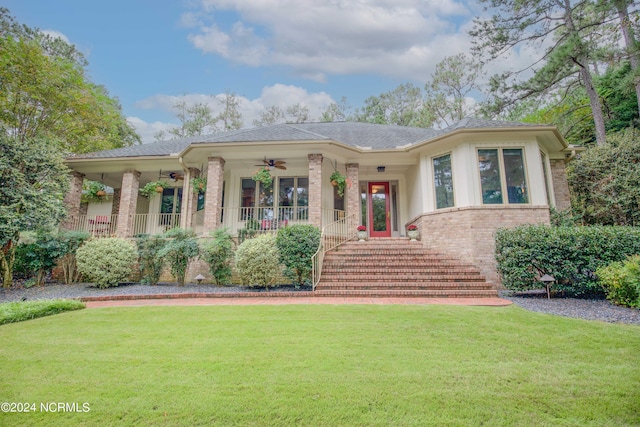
[565,33]
[605,181]
[403,106]
[44,92]
[33,181]
[218,253]
[180,249]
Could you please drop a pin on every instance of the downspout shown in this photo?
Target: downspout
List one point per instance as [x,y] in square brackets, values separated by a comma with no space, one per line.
[186,193]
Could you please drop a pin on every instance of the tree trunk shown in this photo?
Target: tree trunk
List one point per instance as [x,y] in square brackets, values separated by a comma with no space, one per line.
[630,42]
[596,105]
[7,257]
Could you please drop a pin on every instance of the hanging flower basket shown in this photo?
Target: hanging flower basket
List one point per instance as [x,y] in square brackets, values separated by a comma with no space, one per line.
[93,191]
[199,185]
[263,176]
[152,188]
[340,181]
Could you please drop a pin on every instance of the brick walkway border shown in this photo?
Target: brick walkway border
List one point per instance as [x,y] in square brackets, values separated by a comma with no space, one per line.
[275,298]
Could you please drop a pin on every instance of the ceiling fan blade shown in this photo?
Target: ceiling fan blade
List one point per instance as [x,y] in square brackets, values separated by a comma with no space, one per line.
[284,168]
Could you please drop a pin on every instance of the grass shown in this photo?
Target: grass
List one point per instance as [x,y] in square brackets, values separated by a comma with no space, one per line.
[322,366]
[11,312]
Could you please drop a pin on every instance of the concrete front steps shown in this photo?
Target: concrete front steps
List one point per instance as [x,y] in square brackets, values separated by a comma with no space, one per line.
[396,267]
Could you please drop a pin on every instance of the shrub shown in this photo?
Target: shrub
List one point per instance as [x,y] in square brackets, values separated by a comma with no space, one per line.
[570,254]
[38,256]
[218,253]
[621,281]
[250,230]
[179,250]
[106,262]
[12,312]
[71,241]
[296,245]
[149,263]
[257,261]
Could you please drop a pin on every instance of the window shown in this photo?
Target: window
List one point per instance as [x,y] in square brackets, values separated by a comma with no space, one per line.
[170,206]
[545,172]
[290,195]
[499,169]
[443,180]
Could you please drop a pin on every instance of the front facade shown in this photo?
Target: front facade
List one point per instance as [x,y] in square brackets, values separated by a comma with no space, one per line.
[457,185]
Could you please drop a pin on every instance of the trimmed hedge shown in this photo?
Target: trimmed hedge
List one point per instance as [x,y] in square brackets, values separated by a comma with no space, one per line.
[296,246]
[106,262]
[621,281]
[570,254]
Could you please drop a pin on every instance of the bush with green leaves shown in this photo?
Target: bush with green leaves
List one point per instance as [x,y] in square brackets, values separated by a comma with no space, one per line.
[605,181]
[40,255]
[149,263]
[11,312]
[296,245]
[180,249]
[570,254]
[106,262]
[250,230]
[257,261]
[218,253]
[621,281]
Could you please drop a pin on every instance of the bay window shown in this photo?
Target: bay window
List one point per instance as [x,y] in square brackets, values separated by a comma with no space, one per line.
[502,168]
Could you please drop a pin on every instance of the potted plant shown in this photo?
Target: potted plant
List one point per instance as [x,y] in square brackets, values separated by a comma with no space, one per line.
[263,176]
[362,233]
[94,191]
[199,185]
[152,188]
[412,232]
[340,181]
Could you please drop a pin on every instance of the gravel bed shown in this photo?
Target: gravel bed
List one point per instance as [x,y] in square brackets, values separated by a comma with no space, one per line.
[53,291]
[590,309]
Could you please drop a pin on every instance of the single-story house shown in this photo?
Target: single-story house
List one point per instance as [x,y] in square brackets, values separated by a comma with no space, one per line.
[458,184]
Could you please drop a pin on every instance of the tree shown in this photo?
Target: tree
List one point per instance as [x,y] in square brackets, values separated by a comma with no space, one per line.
[270,116]
[44,93]
[336,112]
[450,87]
[34,180]
[568,29]
[402,106]
[230,116]
[298,113]
[196,119]
[605,181]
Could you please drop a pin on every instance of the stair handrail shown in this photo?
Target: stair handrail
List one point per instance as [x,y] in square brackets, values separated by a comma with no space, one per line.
[332,236]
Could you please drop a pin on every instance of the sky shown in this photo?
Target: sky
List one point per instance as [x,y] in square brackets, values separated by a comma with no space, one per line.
[152,53]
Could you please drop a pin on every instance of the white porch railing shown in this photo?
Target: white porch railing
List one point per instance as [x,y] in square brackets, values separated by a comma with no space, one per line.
[154,223]
[96,225]
[333,235]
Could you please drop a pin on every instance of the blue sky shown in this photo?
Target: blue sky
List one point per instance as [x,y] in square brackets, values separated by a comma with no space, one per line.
[151,53]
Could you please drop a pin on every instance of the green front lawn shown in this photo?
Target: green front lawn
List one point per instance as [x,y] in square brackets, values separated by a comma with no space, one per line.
[321,365]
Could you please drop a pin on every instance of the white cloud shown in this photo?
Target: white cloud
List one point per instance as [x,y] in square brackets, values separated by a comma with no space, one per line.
[279,95]
[400,38]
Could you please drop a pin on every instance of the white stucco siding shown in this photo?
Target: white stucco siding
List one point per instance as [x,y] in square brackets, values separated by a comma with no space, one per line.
[99,208]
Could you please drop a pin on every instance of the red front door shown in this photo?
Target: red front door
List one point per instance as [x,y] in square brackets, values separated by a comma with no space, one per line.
[379,210]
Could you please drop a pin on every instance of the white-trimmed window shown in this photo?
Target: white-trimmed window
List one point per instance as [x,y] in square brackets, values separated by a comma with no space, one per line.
[289,194]
[443,181]
[503,169]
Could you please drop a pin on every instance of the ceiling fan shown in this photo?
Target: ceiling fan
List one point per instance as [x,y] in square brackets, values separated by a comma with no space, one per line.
[278,164]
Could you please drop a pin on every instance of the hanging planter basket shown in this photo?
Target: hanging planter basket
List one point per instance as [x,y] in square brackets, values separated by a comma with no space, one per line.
[339,181]
[263,176]
[199,185]
[152,188]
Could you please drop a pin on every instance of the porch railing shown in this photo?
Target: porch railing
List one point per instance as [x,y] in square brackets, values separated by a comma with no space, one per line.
[154,223]
[96,225]
[333,235]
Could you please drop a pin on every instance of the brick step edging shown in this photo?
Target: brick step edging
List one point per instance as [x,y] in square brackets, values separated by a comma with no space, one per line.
[198,295]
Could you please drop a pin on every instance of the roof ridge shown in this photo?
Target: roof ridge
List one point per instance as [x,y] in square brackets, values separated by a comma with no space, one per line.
[292,125]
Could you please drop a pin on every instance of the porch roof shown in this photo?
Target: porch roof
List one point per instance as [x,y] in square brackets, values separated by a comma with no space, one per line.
[361,135]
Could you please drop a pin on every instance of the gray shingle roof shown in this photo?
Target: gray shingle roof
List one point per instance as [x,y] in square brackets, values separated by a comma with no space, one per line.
[373,136]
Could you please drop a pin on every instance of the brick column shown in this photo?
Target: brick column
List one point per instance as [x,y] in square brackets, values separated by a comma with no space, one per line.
[189,199]
[213,196]
[352,192]
[315,189]
[72,201]
[560,184]
[128,202]
[115,203]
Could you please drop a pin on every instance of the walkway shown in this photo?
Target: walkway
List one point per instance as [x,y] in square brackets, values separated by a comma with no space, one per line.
[296,300]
